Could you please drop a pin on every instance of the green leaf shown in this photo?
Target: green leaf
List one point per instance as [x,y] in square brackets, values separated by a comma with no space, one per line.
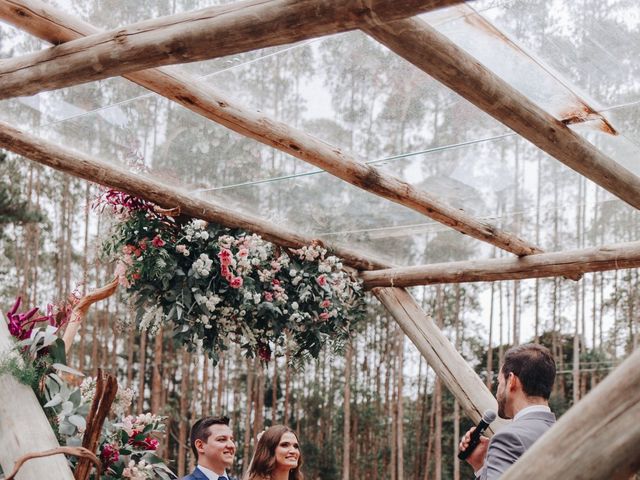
[57,352]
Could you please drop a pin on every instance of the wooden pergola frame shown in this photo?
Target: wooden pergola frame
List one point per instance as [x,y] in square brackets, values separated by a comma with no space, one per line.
[138,52]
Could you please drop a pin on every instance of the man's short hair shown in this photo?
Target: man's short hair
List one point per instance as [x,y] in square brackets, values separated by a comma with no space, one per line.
[200,430]
[534,365]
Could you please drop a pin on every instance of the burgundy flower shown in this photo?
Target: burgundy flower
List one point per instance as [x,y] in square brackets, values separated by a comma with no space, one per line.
[264,352]
[148,443]
[21,324]
[157,241]
[109,454]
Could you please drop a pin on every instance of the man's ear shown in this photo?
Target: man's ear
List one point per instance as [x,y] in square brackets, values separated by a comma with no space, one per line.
[513,382]
[198,444]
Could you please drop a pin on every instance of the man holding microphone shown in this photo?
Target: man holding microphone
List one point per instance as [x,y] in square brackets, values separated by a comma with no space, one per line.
[524,386]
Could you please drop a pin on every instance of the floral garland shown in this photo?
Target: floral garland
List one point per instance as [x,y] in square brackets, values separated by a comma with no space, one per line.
[127,445]
[218,285]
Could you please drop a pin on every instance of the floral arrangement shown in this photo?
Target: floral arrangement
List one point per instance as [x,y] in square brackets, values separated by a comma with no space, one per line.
[126,447]
[217,285]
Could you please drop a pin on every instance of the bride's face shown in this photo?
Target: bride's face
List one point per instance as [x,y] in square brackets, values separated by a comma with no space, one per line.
[287,451]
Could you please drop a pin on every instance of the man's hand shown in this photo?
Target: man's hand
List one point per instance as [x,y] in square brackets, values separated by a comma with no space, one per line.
[476,459]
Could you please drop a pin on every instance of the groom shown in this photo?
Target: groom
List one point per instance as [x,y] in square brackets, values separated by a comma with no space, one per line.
[214,448]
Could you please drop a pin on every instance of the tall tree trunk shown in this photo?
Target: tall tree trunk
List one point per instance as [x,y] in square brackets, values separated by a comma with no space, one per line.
[346,424]
[183,416]
[156,379]
[142,352]
[247,418]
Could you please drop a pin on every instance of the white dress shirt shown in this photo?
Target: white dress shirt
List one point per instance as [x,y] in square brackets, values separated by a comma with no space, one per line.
[210,474]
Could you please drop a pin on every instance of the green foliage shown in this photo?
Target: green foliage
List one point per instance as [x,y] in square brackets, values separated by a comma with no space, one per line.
[216,285]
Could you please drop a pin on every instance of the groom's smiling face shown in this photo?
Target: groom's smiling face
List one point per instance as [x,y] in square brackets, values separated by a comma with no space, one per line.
[218,452]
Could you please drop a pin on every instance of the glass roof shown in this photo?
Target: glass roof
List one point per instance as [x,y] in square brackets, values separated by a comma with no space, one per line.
[575,62]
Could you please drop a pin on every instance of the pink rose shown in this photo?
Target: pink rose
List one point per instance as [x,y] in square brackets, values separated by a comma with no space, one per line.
[268,296]
[322,280]
[157,241]
[226,273]
[243,252]
[128,249]
[275,282]
[225,257]
[236,282]
[326,303]
[324,316]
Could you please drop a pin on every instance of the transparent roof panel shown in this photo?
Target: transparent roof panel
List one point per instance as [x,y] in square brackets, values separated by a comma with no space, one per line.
[357,95]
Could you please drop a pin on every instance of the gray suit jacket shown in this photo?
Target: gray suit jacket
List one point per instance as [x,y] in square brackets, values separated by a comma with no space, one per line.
[507,445]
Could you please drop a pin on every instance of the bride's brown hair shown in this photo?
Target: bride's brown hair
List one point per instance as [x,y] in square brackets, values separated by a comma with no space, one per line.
[264,459]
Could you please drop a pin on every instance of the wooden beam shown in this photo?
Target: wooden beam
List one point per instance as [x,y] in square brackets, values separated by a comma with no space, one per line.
[25,428]
[167,196]
[597,438]
[449,64]
[188,37]
[454,371]
[40,19]
[571,263]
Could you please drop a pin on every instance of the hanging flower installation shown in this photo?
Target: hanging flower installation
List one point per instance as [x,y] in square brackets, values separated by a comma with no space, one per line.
[217,285]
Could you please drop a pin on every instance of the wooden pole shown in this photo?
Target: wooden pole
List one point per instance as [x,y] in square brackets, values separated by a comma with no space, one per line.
[449,64]
[556,264]
[84,166]
[41,20]
[453,370]
[24,428]
[188,37]
[598,438]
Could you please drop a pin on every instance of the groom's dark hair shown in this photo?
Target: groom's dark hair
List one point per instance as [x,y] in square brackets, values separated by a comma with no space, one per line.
[534,365]
[200,430]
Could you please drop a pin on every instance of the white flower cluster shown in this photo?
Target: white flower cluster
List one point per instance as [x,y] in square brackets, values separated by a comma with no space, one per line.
[202,266]
[138,422]
[139,471]
[152,320]
[123,399]
[196,229]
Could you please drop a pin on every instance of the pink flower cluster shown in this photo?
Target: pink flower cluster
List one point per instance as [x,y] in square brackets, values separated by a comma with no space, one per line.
[227,262]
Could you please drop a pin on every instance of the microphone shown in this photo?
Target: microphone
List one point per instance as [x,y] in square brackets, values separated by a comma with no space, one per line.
[488,417]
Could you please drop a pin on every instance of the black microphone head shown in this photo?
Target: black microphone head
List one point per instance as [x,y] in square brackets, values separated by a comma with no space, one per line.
[489,416]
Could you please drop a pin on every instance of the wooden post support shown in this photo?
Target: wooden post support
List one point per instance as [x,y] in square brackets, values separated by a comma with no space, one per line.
[203,98]
[84,166]
[575,262]
[446,62]
[24,428]
[454,371]
[188,37]
[598,438]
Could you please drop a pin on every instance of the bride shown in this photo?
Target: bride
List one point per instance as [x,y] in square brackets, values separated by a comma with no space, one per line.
[277,456]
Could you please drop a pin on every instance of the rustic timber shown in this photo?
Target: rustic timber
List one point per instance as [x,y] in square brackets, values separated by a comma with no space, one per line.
[40,19]
[24,428]
[569,263]
[598,438]
[84,166]
[449,64]
[187,37]
[453,370]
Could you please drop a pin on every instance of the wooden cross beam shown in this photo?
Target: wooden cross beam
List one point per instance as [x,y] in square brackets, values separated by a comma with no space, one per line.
[569,263]
[167,196]
[40,19]
[449,64]
[188,37]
